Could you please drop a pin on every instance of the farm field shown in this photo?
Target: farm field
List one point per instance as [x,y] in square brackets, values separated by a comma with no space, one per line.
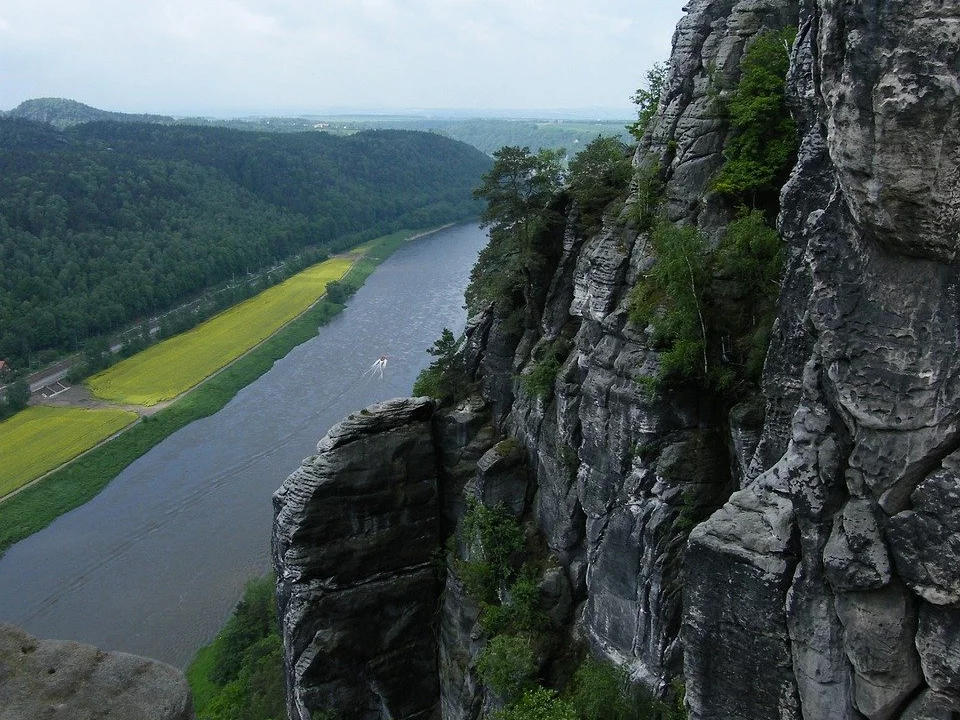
[170,368]
[40,438]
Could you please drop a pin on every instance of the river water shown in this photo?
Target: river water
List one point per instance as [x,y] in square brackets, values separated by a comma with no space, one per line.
[155,563]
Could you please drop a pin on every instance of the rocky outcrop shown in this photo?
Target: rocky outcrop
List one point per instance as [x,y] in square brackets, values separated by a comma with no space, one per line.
[356,529]
[862,611]
[792,556]
[46,679]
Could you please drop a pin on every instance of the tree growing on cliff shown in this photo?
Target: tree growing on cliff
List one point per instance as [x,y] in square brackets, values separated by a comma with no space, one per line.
[758,157]
[598,175]
[519,190]
[647,98]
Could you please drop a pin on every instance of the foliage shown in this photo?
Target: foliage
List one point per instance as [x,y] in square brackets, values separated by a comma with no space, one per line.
[42,438]
[507,665]
[173,366]
[598,175]
[37,506]
[446,376]
[240,675]
[647,98]
[759,155]
[490,536]
[520,610]
[540,379]
[518,190]
[648,196]
[671,299]
[538,704]
[749,261]
[602,691]
[711,312]
[107,222]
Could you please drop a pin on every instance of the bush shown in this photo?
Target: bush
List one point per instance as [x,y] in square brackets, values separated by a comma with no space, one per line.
[240,676]
[647,99]
[519,612]
[538,704]
[671,298]
[759,155]
[491,536]
[602,691]
[254,619]
[507,665]
[598,175]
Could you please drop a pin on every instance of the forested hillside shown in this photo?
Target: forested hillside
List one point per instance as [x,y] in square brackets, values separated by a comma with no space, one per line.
[106,222]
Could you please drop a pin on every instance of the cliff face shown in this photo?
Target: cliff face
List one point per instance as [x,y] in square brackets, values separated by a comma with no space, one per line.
[795,562]
[846,547]
[356,527]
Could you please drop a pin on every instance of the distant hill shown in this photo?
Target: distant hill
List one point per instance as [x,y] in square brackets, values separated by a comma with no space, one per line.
[105,222]
[485,134]
[63,113]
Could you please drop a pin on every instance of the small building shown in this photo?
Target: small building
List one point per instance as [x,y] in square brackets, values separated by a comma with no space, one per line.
[4,367]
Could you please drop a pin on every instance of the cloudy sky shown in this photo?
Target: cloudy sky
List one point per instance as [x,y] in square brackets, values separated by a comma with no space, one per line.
[223,57]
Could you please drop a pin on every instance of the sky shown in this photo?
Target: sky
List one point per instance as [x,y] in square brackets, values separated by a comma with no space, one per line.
[236,57]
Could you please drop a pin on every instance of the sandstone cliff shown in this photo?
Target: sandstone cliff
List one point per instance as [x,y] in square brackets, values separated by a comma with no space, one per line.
[795,562]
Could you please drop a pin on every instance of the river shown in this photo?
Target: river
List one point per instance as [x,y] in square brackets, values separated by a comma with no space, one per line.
[156,562]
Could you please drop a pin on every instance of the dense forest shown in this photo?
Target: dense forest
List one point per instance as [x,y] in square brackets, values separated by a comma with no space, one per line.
[106,222]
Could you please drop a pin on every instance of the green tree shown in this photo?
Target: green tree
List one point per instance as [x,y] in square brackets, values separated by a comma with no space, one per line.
[519,190]
[757,159]
[671,298]
[647,98]
[507,665]
[598,175]
[538,704]
[446,376]
[18,395]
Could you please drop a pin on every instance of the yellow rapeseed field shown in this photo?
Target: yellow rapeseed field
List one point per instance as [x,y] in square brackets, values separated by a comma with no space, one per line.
[41,438]
[164,371]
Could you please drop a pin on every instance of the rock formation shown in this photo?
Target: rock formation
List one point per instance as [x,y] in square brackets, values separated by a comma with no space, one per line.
[356,529]
[46,679]
[792,556]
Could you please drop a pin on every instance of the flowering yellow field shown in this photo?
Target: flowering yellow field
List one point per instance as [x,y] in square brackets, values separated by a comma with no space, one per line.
[167,369]
[41,438]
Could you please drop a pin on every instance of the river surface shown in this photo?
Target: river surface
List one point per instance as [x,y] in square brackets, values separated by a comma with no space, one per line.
[156,562]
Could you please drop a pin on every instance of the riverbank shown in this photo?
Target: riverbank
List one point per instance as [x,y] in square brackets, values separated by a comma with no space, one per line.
[70,486]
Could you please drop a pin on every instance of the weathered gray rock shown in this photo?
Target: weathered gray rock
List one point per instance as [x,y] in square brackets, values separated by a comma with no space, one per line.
[54,680]
[355,530]
[929,706]
[855,556]
[879,629]
[938,642]
[502,477]
[925,540]
[738,567]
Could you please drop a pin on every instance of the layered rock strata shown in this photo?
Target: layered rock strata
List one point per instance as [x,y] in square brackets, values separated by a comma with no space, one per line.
[53,679]
[795,556]
[841,560]
[356,528]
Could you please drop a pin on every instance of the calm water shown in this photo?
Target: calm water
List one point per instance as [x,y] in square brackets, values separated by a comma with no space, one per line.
[155,563]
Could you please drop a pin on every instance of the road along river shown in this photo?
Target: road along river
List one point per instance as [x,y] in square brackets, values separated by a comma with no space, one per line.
[155,563]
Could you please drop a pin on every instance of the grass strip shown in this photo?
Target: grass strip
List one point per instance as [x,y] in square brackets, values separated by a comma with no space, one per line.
[37,506]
